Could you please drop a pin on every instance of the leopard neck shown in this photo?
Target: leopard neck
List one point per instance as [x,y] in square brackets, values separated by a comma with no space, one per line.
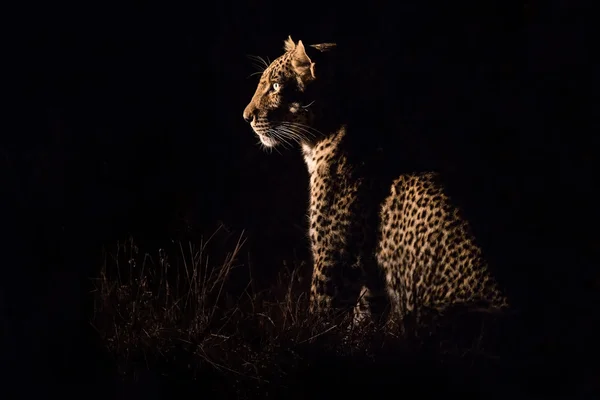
[321,152]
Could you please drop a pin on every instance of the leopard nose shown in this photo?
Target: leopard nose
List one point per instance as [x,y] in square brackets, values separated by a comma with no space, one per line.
[248,114]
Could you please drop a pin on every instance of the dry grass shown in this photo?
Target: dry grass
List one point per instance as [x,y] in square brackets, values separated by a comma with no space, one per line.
[181,313]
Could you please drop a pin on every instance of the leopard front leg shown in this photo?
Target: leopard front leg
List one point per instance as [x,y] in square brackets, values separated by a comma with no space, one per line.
[342,243]
[344,287]
[336,281]
[344,276]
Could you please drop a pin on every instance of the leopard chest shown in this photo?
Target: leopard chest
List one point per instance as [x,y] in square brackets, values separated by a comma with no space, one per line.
[338,217]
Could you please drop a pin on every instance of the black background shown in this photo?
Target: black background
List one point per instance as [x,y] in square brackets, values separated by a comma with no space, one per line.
[127,120]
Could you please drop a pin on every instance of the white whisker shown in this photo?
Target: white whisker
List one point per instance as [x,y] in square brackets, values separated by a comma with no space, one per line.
[309,130]
[259,60]
[258,67]
[284,134]
[296,136]
[275,135]
[254,73]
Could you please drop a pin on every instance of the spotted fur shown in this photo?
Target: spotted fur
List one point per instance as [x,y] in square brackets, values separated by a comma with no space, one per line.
[372,245]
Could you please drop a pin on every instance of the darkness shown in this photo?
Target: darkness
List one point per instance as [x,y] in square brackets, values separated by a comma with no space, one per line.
[128,121]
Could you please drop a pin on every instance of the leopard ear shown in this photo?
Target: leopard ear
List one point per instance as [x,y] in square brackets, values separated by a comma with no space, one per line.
[301,62]
[288,44]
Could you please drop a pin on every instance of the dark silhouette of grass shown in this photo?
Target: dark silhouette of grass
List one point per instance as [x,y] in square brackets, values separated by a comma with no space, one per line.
[188,317]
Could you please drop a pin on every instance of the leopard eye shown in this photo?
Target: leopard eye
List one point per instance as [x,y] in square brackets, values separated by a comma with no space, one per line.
[276,86]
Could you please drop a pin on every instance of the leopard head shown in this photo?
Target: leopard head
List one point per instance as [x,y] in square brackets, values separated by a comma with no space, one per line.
[286,102]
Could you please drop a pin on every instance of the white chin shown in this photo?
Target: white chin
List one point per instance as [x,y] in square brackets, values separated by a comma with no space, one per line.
[267,141]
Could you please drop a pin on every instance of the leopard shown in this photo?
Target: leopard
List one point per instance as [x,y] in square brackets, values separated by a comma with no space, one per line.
[389,248]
